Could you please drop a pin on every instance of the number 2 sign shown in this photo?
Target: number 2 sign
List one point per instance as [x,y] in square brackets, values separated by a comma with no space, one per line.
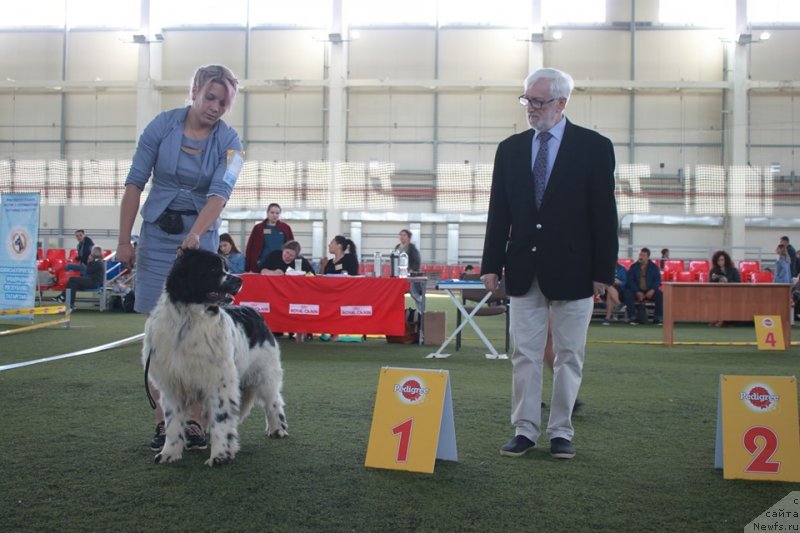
[412,424]
[757,428]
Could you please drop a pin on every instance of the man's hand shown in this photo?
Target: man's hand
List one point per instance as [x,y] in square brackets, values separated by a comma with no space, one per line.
[489,281]
[639,296]
[649,294]
[126,254]
[599,288]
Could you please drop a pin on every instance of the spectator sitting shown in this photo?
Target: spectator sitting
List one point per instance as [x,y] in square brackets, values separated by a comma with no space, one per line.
[469,269]
[266,237]
[84,247]
[228,250]
[643,284]
[783,265]
[279,261]
[723,270]
[94,278]
[613,292]
[345,260]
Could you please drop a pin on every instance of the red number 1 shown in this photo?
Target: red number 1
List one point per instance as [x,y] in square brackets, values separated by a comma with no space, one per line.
[404,430]
[770,339]
[761,462]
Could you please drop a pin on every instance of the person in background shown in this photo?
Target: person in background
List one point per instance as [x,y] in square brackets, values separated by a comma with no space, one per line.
[279,261]
[194,159]
[643,284]
[94,277]
[266,237]
[405,245]
[228,249]
[84,248]
[793,262]
[614,292]
[468,270]
[552,232]
[783,265]
[664,257]
[722,271]
[345,260]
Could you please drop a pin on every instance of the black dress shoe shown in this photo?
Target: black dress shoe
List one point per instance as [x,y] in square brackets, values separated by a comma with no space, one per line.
[517,446]
[561,448]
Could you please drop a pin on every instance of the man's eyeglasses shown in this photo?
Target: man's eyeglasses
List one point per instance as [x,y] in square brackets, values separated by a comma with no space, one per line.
[536,103]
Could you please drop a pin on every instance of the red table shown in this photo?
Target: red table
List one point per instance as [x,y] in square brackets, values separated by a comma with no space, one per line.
[327,304]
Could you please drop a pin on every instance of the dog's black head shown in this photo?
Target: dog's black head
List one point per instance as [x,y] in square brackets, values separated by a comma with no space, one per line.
[201,277]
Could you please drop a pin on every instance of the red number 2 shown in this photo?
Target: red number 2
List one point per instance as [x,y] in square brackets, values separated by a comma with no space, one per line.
[404,430]
[761,462]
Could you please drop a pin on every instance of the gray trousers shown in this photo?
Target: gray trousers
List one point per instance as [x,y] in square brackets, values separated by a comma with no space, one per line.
[569,321]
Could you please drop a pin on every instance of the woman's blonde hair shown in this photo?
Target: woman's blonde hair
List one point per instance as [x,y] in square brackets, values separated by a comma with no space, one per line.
[214,73]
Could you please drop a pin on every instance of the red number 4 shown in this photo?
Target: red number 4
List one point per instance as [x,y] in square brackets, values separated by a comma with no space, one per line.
[404,430]
[770,339]
[761,462]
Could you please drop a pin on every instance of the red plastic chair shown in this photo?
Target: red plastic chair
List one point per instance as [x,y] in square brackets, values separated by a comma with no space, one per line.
[57,265]
[761,277]
[746,267]
[625,263]
[674,265]
[701,277]
[684,277]
[42,264]
[73,253]
[39,253]
[55,253]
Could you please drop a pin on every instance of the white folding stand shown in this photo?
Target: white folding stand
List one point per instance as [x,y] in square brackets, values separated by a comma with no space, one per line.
[449,287]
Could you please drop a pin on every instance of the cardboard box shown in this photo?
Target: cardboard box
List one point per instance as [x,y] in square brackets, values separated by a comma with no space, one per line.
[435,328]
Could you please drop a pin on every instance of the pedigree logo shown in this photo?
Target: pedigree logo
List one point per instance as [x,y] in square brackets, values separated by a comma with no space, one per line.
[355,310]
[304,309]
[261,307]
[759,397]
[412,390]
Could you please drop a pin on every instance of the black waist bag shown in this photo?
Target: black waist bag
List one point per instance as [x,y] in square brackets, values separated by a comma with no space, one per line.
[170,222]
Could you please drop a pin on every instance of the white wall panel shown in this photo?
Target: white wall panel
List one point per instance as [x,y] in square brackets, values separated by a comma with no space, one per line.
[290,54]
[390,117]
[102,55]
[185,50]
[587,54]
[289,116]
[31,55]
[482,54]
[679,55]
[393,53]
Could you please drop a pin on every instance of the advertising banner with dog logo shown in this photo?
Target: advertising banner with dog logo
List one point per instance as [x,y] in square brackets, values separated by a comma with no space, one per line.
[412,424]
[19,232]
[757,428]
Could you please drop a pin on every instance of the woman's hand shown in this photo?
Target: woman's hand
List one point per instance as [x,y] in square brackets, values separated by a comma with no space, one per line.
[191,241]
[126,254]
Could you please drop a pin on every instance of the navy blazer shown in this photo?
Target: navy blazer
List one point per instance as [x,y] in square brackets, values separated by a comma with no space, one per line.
[572,240]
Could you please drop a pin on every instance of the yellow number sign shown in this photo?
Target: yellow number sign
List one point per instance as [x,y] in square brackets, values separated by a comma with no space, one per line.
[757,428]
[412,424]
[769,332]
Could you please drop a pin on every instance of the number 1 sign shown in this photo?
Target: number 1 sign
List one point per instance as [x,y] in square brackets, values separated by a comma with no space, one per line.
[412,424]
[757,428]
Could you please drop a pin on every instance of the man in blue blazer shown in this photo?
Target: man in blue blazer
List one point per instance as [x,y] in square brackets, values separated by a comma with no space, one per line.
[552,232]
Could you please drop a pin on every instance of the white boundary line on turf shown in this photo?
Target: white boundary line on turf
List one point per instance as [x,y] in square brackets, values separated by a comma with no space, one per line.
[87,351]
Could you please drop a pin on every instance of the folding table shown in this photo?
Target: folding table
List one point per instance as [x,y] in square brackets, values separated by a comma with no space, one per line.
[451,286]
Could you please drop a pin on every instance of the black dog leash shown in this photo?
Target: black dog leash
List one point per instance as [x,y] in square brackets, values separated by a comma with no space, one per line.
[147,382]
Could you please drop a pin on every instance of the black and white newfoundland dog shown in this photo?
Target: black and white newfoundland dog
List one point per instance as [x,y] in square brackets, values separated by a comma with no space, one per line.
[200,351]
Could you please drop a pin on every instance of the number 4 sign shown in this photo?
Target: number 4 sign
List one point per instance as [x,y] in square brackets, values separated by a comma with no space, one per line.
[412,424]
[769,332]
[757,428]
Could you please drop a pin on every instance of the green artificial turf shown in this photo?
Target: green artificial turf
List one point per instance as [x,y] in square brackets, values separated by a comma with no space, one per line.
[76,432]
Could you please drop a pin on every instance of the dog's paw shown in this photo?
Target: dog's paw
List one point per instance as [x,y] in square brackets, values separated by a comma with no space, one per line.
[163,458]
[220,460]
[280,433]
